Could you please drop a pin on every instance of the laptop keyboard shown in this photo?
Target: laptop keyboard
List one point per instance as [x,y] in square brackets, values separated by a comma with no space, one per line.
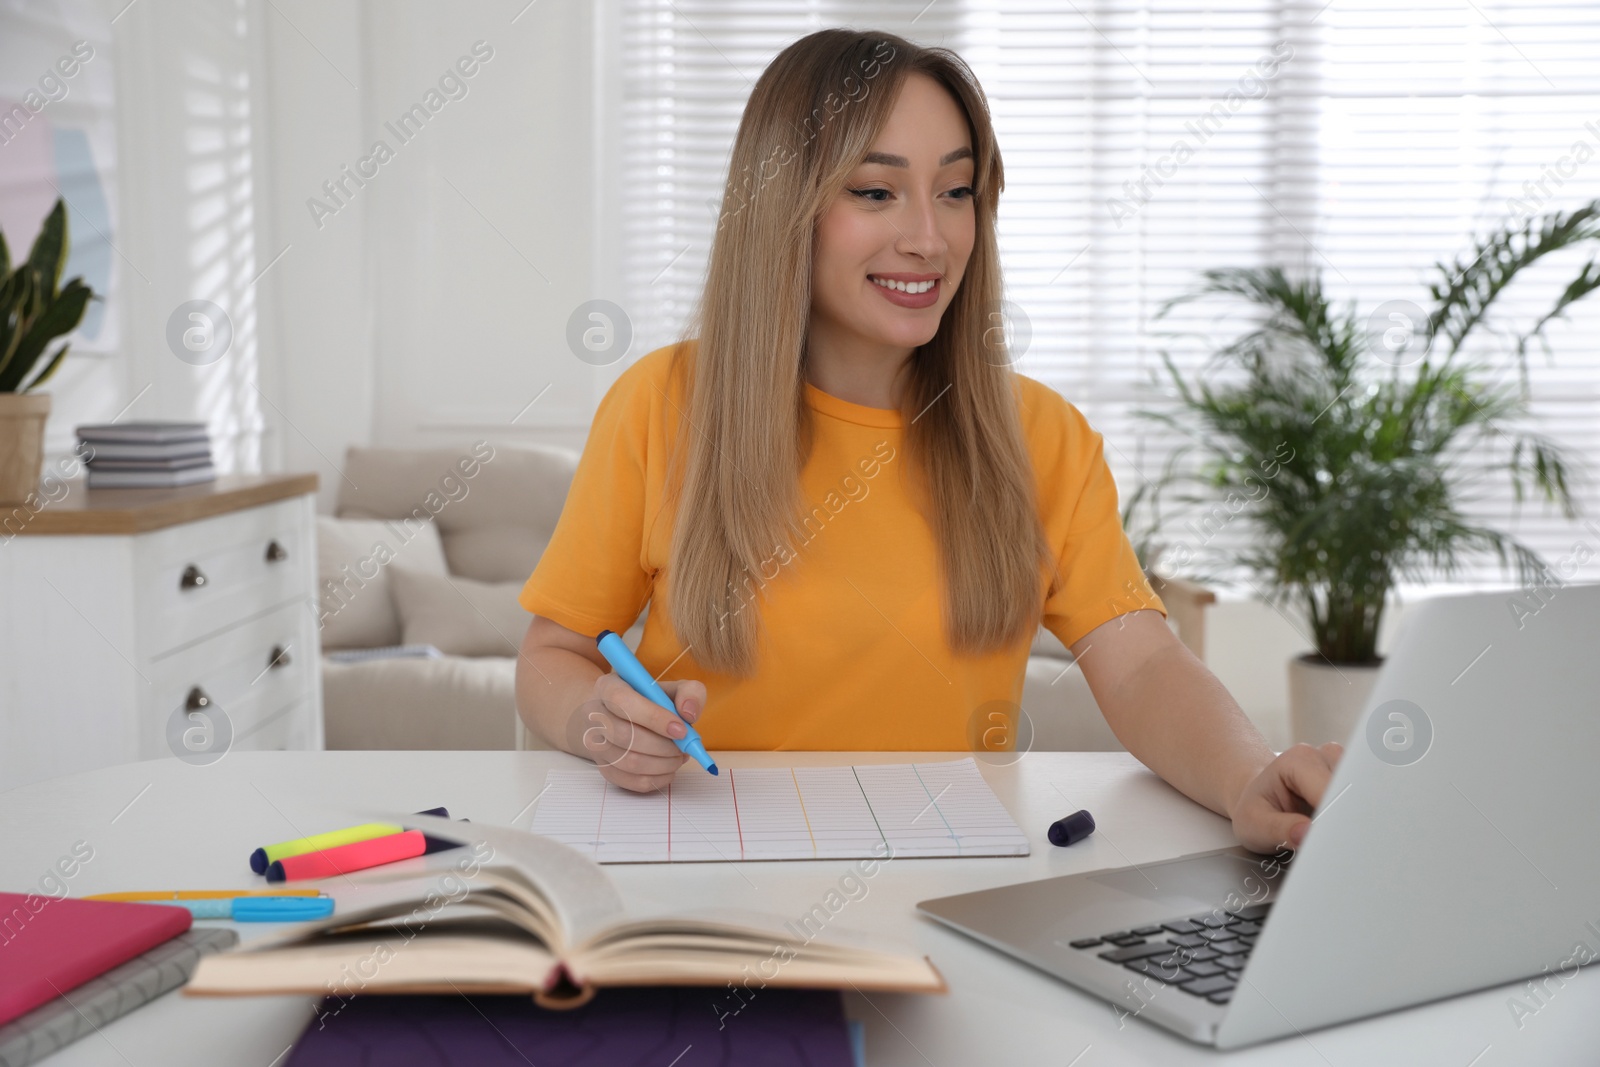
[1201,955]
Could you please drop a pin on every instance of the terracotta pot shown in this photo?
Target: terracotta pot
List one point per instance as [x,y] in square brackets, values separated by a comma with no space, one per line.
[1326,699]
[22,418]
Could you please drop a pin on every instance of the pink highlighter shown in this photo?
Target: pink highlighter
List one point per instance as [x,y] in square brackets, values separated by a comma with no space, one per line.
[357,856]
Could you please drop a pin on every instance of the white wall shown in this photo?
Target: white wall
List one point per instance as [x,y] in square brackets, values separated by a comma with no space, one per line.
[430,307]
[317,326]
[482,232]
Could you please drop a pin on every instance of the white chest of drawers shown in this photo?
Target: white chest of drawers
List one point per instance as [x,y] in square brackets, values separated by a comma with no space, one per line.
[142,624]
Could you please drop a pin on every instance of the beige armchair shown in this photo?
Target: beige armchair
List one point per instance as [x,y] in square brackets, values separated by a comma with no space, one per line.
[493,527]
[1061,710]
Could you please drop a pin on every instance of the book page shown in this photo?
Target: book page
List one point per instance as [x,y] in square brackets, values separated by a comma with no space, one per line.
[443,961]
[581,895]
[777,813]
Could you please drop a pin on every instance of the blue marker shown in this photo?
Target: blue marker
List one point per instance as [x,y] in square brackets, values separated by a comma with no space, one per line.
[630,670]
[260,909]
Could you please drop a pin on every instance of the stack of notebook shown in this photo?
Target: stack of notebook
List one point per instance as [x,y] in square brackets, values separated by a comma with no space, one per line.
[146,455]
[68,967]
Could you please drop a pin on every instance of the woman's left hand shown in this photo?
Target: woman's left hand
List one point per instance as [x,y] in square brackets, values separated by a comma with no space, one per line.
[1275,809]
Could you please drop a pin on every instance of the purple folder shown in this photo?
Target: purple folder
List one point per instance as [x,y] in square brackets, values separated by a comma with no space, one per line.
[683,1026]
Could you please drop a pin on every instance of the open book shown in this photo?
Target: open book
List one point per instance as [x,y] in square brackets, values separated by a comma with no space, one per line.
[515,913]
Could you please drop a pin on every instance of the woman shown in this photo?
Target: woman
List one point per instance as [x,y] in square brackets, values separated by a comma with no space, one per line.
[850,514]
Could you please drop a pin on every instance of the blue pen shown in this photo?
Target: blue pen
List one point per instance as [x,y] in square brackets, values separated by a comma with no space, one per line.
[630,670]
[259,909]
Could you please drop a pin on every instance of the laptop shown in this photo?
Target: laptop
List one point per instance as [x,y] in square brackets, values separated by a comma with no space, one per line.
[1451,852]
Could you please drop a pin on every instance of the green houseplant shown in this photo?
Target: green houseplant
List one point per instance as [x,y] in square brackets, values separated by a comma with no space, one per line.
[1347,448]
[35,310]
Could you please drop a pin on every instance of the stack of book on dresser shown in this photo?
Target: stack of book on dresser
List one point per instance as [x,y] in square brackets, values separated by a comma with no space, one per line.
[146,455]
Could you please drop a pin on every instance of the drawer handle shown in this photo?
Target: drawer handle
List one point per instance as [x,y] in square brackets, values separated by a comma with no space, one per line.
[192,578]
[276,553]
[278,657]
[196,700]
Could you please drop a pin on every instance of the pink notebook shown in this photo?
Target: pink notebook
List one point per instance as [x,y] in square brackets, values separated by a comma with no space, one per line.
[51,946]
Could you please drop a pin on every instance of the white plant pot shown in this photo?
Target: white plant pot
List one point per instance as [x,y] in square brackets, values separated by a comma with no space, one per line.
[1325,700]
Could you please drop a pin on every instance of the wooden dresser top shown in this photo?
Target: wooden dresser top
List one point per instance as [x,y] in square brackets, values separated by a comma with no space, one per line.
[130,511]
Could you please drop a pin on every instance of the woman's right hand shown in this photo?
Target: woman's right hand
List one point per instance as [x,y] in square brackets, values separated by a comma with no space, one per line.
[629,736]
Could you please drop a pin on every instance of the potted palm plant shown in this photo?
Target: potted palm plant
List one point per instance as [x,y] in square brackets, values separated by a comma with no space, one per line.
[1346,448]
[34,311]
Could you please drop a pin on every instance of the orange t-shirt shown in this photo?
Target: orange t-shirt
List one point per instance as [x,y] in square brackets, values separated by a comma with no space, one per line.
[852,653]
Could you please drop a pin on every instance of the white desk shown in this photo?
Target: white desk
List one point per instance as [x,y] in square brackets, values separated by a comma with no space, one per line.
[167,824]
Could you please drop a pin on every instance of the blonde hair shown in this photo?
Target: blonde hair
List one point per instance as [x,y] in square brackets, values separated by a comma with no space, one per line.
[744,438]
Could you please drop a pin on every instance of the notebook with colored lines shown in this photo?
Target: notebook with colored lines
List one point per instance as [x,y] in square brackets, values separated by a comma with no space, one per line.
[905,810]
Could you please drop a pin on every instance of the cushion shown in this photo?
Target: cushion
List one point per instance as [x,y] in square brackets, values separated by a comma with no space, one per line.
[459,616]
[354,561]
[451,702]
[495,505]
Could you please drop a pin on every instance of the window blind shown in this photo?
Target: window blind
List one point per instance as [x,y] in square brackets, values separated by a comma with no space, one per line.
[1147,140]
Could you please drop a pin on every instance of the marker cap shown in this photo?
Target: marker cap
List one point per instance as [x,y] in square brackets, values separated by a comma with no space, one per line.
[1072,829]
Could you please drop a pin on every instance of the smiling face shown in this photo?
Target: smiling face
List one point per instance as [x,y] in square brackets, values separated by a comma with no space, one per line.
[905,214]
